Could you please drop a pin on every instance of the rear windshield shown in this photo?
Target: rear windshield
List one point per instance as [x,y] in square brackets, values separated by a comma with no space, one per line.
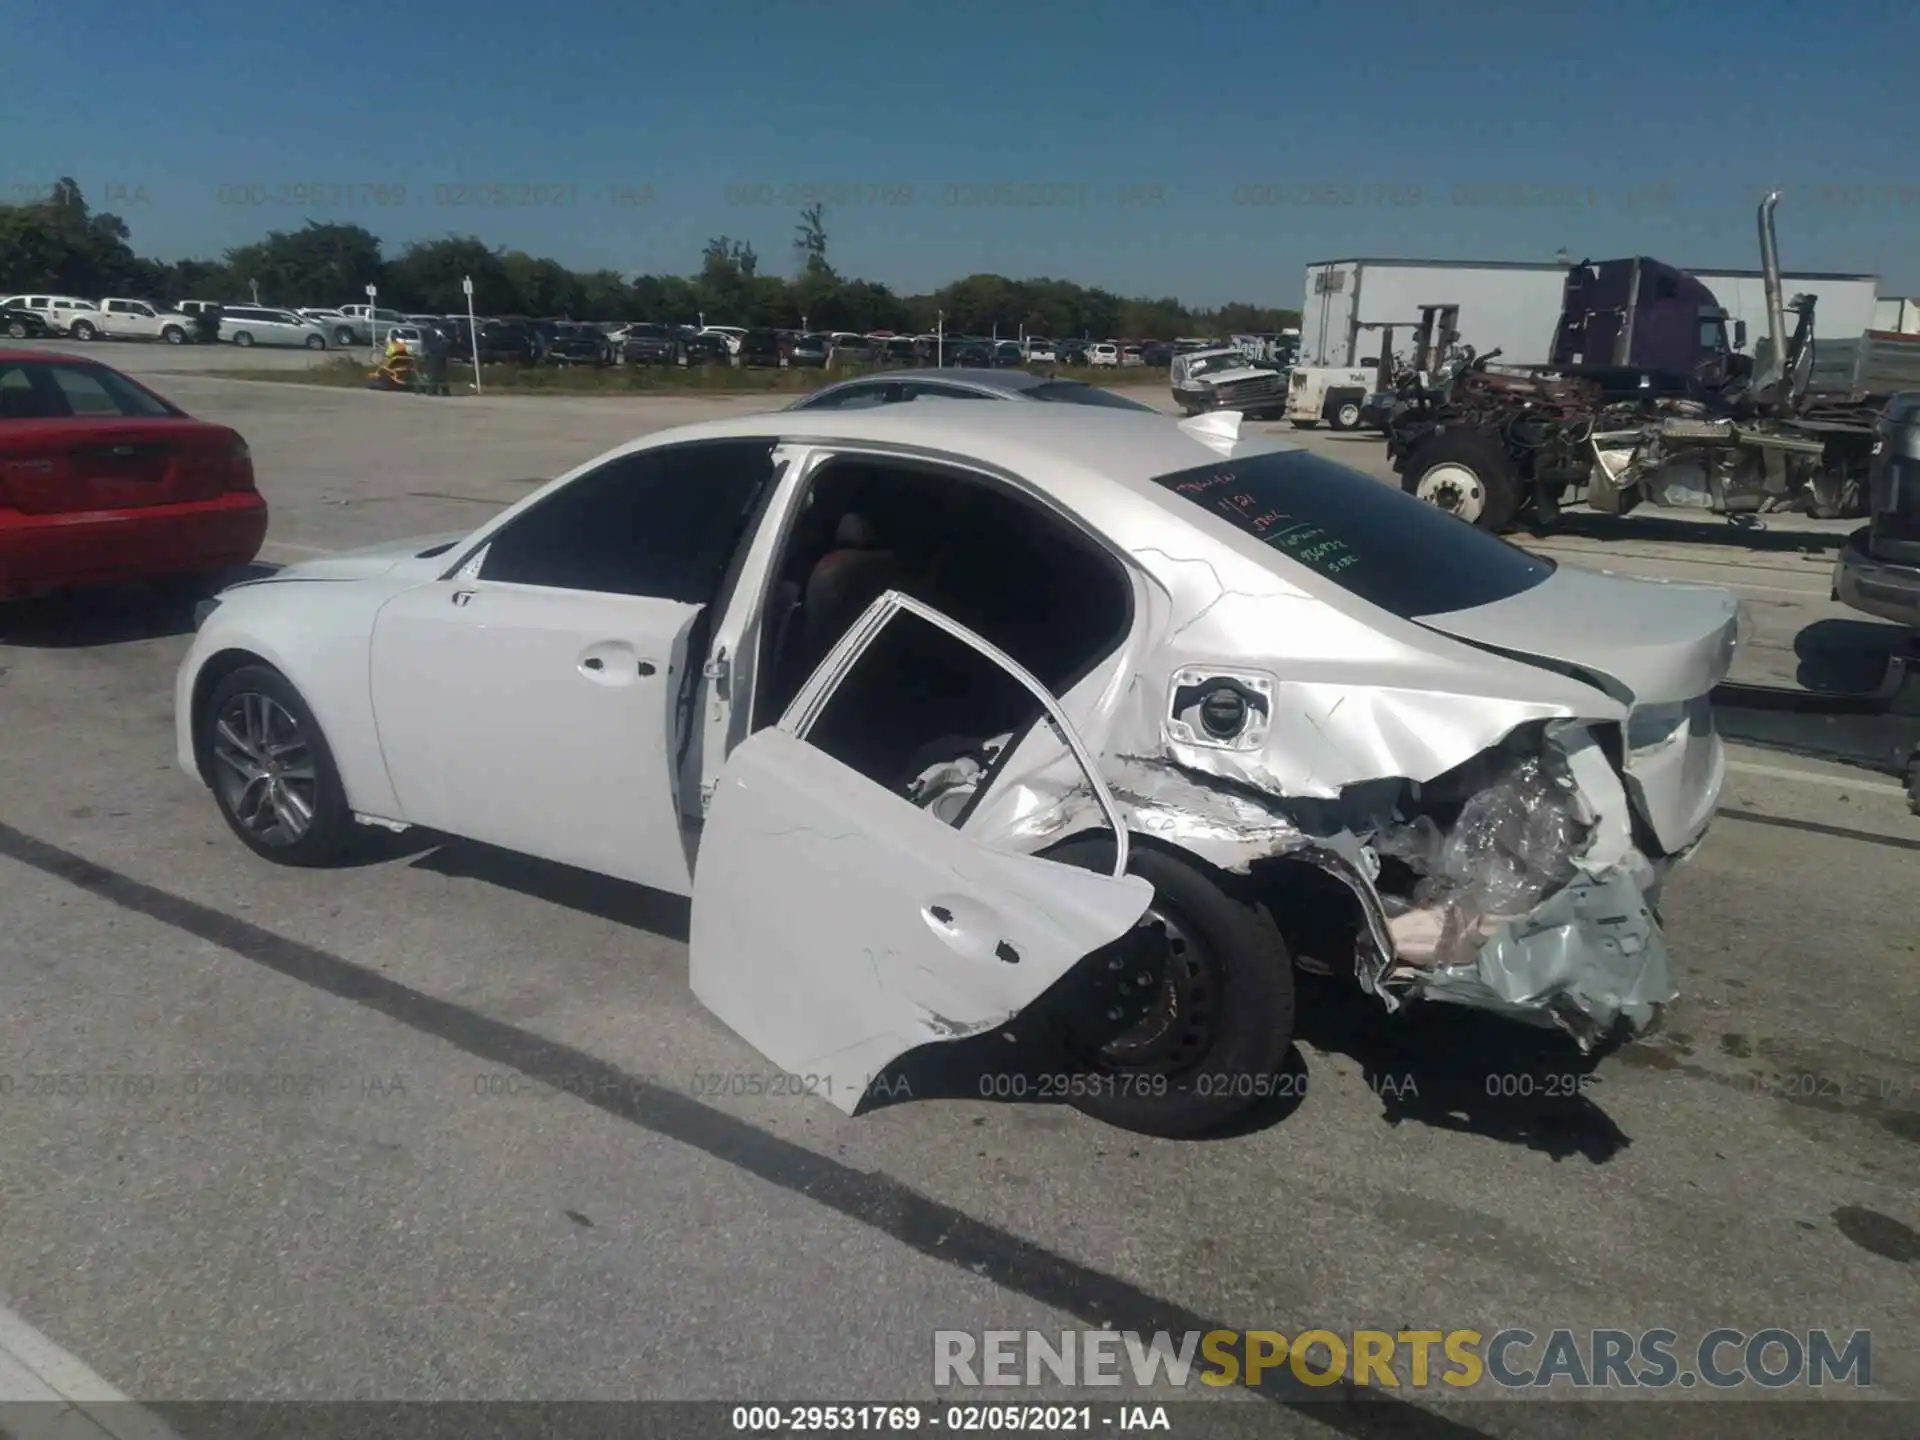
[1371,539]
[31,390]
[1071,392]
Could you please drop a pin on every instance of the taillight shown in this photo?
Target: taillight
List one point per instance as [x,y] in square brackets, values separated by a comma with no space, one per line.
[240,466]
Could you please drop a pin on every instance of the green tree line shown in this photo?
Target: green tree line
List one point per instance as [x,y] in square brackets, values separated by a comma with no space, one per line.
[59,245]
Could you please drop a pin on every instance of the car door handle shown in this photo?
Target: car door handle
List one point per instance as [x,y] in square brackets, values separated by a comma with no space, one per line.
[612,662]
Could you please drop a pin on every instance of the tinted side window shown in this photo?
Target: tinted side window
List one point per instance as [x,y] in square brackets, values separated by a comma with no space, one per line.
[661,523]
[858,398]
[940,392]
[84,393]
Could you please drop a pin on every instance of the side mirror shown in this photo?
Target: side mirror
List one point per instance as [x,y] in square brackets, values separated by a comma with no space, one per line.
[1739,334]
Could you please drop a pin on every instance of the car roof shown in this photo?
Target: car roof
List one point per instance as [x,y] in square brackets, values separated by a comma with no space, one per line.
[980,378]
[9,356]
[1084,457]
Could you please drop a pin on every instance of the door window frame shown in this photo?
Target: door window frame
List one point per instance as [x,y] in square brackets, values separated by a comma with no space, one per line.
[819,689]
[738,624]
[859,388]
[472,559]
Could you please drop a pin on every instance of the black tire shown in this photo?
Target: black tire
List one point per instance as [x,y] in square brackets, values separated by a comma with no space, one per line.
[343,337]
[1306,424]
[1836,497]
[316,342]
[1486,459]
[242,339]
[174,335]
[1345,416]
[1223,1025]
[82,330]
[332,828]
[17,330]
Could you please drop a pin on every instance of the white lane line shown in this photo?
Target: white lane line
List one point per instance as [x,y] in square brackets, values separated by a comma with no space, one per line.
[37,1376]
[1795,590]
[1811,777]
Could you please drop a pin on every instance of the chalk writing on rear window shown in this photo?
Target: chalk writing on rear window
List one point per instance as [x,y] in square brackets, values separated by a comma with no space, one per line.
[1310,544]
[1369,538]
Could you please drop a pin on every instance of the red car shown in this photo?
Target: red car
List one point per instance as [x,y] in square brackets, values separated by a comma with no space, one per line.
[101,480]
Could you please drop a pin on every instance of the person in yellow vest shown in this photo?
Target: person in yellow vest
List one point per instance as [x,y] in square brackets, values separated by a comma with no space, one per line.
[396,370]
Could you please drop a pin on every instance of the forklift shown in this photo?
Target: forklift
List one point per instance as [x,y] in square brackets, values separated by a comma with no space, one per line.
[1436,337]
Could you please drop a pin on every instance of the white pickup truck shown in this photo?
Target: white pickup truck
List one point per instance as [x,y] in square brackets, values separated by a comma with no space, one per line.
[142,320]
[364,324]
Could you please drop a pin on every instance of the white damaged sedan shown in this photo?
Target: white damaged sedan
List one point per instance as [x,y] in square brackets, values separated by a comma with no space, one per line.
[954,720]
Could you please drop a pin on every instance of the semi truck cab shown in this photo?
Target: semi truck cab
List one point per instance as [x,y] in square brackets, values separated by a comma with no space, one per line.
[1638,314]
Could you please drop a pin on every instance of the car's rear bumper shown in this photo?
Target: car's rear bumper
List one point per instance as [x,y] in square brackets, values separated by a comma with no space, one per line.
[99,547]
[1877,587]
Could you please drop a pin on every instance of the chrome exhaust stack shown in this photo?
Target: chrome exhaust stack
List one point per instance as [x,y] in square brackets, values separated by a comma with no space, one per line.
[1776,304]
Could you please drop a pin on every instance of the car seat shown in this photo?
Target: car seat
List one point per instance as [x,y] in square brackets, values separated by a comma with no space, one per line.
[840,585]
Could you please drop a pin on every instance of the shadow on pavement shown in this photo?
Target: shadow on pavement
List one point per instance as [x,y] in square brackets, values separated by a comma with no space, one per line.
[635,906]
[113,614]
[1457,1069]
[1431,1065]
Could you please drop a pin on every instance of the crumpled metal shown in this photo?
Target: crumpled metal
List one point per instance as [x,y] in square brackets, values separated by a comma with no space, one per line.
[1586,959]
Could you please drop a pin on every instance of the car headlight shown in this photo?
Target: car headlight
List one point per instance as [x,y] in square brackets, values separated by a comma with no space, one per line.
[1651,726]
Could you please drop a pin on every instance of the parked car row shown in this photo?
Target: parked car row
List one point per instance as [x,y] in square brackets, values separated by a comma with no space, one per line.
[523,339]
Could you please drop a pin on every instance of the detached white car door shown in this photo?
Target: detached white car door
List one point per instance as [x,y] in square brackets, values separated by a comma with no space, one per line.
[837,925]
[531,699]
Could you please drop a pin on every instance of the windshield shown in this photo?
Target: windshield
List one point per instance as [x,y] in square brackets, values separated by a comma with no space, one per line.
[1073,392]
[1211,364]
[1367,537]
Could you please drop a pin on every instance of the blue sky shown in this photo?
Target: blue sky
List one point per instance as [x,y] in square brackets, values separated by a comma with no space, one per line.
[1205,150]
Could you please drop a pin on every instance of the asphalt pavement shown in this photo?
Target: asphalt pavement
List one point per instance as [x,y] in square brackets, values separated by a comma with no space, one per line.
[450,1125]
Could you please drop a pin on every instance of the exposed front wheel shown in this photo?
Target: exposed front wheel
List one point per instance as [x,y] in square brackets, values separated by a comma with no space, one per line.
[1467,474]
[1835,495]
[174,335]
[17,330]
[1346,416]
[272,774]
[316,342]
[82,330]
[1209,1017]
